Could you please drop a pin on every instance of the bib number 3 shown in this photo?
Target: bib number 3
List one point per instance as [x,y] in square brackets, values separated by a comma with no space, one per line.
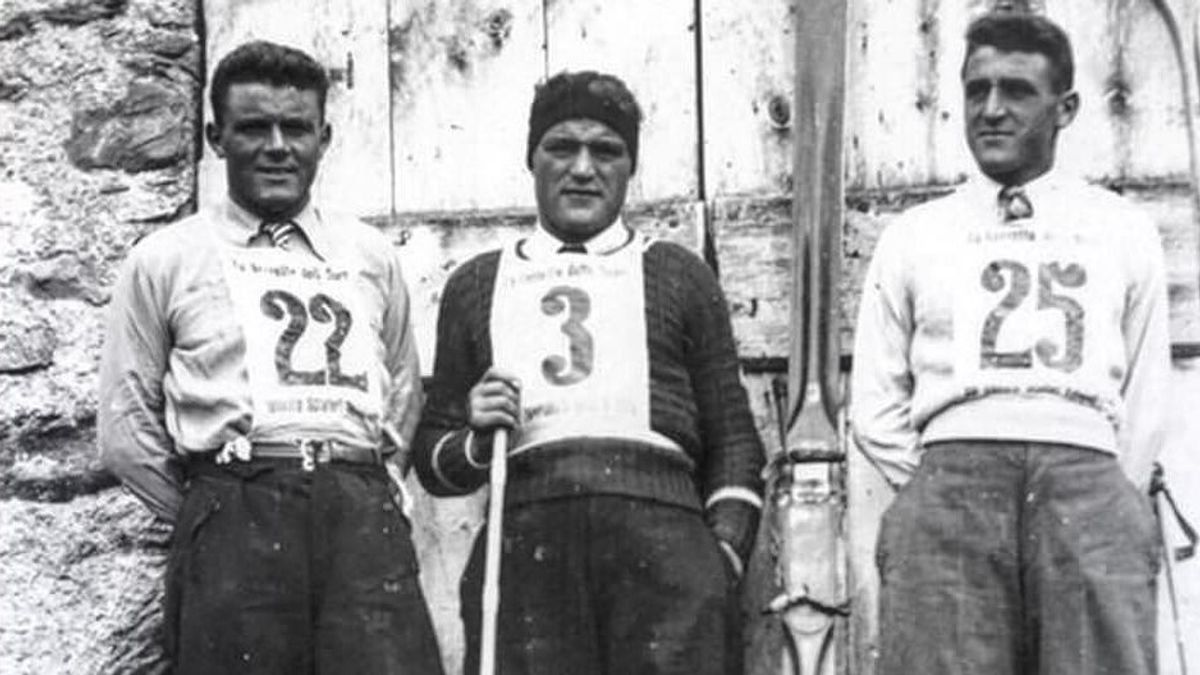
[1066,357]
[557,369]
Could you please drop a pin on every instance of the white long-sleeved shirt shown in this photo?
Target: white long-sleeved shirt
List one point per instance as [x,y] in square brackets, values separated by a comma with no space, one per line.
[174,377]
[1050,329]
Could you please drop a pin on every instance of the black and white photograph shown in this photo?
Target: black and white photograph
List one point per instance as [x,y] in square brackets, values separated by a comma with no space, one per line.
[586,337]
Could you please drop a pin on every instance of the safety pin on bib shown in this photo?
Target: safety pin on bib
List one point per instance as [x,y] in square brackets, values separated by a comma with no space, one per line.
[238,448]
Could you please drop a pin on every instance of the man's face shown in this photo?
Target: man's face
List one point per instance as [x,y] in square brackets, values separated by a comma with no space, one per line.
[1013,113]
[581,170]
[272,139]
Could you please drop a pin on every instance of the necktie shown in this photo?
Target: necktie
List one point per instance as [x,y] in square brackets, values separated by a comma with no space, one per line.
[1014,204]
[282,234]
[572,248]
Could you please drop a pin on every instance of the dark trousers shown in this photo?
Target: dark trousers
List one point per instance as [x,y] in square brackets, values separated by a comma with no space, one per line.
[606,585]
[277,570]
[1006,558]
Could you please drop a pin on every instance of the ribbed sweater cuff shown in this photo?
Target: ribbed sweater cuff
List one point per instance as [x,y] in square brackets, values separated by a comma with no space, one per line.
[453,467]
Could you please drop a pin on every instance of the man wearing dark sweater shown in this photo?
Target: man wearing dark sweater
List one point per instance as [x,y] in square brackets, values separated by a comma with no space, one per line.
[634,490]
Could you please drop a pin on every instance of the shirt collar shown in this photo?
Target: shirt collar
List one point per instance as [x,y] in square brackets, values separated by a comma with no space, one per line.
[541,243]
[239,226]
[1036,190]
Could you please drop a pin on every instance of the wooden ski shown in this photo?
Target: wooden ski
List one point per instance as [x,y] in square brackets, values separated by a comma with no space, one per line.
[808,500]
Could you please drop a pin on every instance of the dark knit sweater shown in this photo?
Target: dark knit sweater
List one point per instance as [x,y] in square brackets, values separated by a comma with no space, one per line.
[696,399]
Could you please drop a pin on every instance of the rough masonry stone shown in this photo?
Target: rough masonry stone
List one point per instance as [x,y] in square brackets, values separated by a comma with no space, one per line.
[27,341]
[140,132]
[84,581]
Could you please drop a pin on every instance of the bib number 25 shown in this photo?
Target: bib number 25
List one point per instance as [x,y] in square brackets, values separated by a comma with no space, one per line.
[1014,277]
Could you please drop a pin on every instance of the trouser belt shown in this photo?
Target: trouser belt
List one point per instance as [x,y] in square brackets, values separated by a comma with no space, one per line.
[309,453]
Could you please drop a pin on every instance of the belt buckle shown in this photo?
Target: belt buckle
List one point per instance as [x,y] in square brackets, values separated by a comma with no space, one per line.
[314,452]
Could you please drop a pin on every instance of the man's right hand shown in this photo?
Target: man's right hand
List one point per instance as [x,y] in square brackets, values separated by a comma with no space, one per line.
[494,401]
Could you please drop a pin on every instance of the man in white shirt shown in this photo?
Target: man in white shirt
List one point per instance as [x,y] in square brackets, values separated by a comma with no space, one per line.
[1010,363]
[258,374]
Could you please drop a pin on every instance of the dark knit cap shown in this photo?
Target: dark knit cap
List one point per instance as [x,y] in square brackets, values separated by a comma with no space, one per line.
[588,94]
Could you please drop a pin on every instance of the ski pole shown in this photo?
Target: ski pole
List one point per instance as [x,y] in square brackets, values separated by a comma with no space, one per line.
[498,474]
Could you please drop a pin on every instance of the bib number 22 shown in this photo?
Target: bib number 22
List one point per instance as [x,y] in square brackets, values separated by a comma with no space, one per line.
[1018,283]
[276,304]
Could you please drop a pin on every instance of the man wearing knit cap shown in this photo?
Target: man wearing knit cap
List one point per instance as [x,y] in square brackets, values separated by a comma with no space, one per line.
[634,489]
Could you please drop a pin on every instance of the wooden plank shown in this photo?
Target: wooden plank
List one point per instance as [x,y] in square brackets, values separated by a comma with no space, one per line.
[748,95]
[649,45]
[461,80]
[1097,142]
[443,532]
[905,99]
[751,233]
[754,254]
[433,244]
[350,39]
[1132,123]
[868,495]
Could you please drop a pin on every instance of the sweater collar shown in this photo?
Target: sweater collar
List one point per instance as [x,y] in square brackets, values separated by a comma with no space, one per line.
[543,244]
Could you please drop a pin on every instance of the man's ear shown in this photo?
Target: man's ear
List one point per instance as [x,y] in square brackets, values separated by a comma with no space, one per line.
[213,135]
[1068,106]
[326,137]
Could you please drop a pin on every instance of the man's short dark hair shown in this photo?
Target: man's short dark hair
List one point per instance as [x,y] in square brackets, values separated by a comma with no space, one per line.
[269,63]
[1024,32]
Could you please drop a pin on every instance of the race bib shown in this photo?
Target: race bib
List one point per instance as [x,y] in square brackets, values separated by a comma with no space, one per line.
[573,329]
[1031,306]
[309,349]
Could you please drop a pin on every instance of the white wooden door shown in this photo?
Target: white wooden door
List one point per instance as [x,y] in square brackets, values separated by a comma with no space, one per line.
[349,37]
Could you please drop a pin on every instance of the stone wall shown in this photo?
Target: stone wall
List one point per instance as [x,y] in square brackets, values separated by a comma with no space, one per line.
[97,146]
